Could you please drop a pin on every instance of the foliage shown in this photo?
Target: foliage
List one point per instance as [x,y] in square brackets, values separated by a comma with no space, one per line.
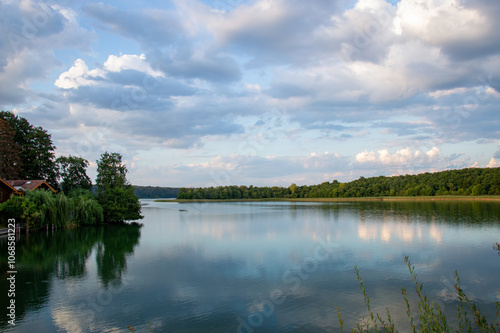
[21,209]
[36,149]
[77,192]
[430,316]
[472,181]
[54,209]
[154,192]
[72,173]
[114,193]
[119,204]
[111,172]
[10,161]
[86,208]
[39,208]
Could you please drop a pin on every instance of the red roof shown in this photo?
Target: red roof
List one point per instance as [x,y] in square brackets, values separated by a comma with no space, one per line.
[28,185]
[8,185]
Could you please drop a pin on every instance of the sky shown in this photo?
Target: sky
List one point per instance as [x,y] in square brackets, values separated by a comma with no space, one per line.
[259,92]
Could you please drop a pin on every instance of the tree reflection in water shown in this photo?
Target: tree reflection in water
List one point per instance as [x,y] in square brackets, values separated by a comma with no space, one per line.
[63,254]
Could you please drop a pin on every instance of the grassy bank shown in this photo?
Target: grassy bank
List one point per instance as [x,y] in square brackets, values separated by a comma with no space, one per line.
[416,198]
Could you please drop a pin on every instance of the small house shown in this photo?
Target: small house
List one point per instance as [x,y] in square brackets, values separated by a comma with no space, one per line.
[6,191]
[23,186]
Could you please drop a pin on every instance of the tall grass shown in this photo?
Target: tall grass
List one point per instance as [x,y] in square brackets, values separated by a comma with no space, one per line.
[430,316]
[40,209]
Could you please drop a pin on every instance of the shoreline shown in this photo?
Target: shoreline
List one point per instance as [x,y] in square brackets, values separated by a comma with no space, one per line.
[354,199]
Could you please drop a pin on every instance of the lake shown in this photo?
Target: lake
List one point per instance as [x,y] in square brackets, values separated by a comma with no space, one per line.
[253,267]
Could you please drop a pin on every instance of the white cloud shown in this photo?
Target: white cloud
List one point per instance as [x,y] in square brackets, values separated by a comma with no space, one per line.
[371,5]
[78,75]
[403,156]
[492,92]
[366,156]
[446,92]
[441,21]
[493,163]
[433,154]
[130,61]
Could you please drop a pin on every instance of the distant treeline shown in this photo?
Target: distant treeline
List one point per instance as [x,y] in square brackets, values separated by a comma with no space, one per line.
[154,192]
[473,181]
[151,192]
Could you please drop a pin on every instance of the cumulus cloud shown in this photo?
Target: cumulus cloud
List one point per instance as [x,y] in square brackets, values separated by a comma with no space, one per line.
[78,75]
[403,156]
[462,29]
[493,163]
[122,83]
[439,22]
[130,61]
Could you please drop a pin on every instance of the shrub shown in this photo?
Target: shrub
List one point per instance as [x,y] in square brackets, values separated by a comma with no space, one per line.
[22,209]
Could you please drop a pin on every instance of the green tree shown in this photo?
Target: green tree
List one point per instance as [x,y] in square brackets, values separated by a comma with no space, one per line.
[72,173]
[114,193]
[477,189]
[10,161]
[36,149]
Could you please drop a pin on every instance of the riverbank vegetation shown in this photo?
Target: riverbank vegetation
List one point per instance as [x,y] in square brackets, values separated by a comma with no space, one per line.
[464,182]
[429,317]
[29,154]
[154,192]
[114,192]
[114,202]
[39,209]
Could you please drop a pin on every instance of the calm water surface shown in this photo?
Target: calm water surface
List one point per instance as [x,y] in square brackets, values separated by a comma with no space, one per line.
[252,267]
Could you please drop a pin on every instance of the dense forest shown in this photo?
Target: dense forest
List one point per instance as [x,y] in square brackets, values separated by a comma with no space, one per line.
[151,192]
[472,181]
[154,192]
